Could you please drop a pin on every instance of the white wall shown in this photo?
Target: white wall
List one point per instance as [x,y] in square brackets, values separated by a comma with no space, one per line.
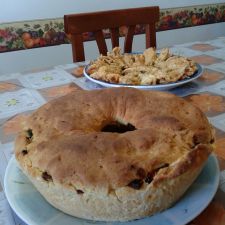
[16,10]
[19,61]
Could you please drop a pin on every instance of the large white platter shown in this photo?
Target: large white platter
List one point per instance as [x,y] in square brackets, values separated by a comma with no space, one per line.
[159,87]
[32,208]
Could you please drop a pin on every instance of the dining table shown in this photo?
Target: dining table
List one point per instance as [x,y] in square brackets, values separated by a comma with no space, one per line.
[22,93]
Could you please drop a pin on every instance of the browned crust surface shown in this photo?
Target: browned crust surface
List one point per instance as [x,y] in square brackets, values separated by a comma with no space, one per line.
[68,143]
[64,144]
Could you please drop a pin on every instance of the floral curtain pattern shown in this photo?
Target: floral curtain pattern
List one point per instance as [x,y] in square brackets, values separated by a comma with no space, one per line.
[48,32]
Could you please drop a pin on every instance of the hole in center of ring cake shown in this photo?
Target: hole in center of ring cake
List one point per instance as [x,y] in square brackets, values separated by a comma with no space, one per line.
[117,127]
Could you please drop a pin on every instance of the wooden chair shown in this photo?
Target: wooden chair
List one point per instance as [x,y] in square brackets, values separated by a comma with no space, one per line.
[76,24]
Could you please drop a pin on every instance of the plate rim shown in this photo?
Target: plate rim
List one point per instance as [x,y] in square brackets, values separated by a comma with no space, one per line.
[13,162]
[194,76]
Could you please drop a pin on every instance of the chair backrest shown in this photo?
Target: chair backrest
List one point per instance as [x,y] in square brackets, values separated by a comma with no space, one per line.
[77,24]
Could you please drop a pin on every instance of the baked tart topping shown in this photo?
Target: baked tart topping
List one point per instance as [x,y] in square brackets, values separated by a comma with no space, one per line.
[148,68]
[118,148]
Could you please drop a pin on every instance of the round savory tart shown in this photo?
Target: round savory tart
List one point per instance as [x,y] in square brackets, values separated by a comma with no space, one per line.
[148,68]
[114,154]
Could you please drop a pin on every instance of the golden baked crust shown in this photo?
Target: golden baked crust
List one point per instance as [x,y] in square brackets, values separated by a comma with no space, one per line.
[101,175]
[148,68]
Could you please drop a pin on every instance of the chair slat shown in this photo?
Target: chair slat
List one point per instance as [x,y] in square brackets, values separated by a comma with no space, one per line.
[85,22]
[150,35]
[129,39]
[76,24]
[77,48]
[114,37]
[99,36]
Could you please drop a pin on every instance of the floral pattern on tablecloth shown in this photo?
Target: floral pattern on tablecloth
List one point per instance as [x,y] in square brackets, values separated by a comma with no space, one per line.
[12,103]
[45,79]
[21,94]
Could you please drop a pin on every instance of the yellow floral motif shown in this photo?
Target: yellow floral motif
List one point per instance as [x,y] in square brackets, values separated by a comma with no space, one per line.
[12,102]
[47,78]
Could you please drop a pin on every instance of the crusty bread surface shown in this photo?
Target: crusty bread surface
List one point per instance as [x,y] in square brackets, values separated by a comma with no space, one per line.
[90,172]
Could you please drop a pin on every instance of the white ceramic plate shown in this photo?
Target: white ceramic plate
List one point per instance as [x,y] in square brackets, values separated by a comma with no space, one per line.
[159,87]
[32,208]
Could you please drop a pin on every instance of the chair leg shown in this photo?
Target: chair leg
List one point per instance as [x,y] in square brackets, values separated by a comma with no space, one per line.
[150,35]
[78,48]
[115,37]
[99,36]
[129,39]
